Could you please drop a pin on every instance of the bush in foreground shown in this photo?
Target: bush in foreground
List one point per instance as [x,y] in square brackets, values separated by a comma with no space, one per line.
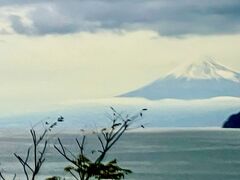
[81,166]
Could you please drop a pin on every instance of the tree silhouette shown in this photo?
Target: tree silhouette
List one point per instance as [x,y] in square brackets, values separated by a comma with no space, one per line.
[3,178]
[36,151]
[83,168]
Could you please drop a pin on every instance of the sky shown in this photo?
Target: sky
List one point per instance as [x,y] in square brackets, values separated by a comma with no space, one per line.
[57,51]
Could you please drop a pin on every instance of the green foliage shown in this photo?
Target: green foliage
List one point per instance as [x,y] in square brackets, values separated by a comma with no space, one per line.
[54,178]
[110,170]
[83,168]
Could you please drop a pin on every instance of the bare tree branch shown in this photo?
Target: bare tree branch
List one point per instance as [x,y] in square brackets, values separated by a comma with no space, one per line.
[107,138]
[35,150]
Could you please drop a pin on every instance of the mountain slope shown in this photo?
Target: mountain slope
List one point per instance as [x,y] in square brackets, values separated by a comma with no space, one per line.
[200,80]
[205,69]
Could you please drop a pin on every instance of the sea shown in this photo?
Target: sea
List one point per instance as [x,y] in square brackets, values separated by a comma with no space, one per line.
[152,154]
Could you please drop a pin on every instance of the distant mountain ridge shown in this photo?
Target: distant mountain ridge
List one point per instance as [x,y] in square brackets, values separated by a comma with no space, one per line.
[198,80]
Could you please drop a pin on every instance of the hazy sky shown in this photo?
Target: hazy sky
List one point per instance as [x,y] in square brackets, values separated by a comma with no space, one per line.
[60,51]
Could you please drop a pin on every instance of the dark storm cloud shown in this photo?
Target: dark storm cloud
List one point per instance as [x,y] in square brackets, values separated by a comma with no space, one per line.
[168,17]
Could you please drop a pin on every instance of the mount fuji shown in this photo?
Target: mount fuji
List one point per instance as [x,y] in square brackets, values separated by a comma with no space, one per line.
[199,80]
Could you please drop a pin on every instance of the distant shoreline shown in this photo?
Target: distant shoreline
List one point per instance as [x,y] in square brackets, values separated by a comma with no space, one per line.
[5,132]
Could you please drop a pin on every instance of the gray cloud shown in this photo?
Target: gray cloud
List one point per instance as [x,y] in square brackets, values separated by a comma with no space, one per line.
[167,17]
[18,25]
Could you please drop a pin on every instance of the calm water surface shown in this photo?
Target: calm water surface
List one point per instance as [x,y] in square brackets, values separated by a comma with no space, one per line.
[159,155]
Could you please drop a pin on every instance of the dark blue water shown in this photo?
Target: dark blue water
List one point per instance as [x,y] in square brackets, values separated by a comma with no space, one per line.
[167,155]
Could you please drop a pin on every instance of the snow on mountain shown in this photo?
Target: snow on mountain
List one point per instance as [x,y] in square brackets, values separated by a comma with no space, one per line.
[199,80]
[205,69]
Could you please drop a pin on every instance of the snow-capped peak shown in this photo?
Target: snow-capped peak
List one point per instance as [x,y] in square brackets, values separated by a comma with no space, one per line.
[205,68]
